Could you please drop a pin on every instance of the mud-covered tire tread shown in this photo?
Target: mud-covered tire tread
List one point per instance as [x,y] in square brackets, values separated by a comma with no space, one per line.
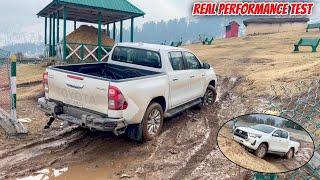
[145,134]
[287,154]
[202,105]
[256,152]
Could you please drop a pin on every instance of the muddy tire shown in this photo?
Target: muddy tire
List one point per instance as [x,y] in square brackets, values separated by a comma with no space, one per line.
[152,122]
[289,154]
[261,151]
[209,97]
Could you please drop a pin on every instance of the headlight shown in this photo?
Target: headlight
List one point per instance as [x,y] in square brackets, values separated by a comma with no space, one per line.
[254,135]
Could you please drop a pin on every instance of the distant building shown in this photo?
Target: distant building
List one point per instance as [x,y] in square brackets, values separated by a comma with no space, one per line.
[232,30]
[274,25]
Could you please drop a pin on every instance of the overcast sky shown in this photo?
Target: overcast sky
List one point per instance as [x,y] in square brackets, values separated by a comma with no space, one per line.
[22,13]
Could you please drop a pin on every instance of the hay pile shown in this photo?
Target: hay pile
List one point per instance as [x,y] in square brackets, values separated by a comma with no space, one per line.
[89,35]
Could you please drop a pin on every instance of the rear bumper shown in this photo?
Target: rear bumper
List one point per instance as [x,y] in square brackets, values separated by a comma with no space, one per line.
[82,117]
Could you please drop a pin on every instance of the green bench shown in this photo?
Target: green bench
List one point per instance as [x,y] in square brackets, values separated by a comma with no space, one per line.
[207,41]
[313,26]
[313,42]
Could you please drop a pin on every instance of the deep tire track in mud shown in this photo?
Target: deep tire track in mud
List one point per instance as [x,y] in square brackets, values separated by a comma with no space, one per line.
[25,159]
[77,146]
[201,154]
[212,121]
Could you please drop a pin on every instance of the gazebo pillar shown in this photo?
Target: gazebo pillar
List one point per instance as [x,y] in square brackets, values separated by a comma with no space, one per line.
[45,31]
[58,27]
[132,28]
[75,25]
[54,35]
[121,30]
[114,31]
[65,13]
[108,30]
[50,36]
[99,35]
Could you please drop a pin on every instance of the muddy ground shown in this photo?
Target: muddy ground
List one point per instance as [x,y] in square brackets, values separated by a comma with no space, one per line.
[186,149]
[271,163]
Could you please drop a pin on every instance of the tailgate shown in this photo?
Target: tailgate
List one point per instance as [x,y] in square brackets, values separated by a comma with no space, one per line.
[77,90]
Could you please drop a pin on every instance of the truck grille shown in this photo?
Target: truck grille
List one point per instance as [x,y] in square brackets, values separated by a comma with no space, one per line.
[240,133]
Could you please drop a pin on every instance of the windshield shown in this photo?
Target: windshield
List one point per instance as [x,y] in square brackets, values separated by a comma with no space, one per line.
[137,56]
[262,128]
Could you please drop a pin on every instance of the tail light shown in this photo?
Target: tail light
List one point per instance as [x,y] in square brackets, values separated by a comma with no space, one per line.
[116,99]
[45,82]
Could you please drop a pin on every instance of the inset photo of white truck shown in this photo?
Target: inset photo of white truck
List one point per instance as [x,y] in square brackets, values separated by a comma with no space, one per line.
[265,143]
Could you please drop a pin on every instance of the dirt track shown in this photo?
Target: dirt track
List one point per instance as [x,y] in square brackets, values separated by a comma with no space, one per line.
[185,149]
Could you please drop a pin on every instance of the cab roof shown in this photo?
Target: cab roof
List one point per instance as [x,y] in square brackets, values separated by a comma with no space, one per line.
[153,47]
[272,127]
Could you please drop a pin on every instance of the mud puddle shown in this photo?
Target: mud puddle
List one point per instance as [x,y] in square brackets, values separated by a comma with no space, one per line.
[185,149]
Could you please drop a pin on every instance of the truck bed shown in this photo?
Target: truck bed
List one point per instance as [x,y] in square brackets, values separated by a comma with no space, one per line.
[108,71]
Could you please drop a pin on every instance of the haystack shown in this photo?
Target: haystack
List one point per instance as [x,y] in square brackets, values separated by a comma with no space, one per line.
[89,35]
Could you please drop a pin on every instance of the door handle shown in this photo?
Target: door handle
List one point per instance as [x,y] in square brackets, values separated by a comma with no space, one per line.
[175,79]
[191,76]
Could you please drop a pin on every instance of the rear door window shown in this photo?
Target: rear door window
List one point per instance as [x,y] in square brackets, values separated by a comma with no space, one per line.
[137,56]
[176,60]
[284,135]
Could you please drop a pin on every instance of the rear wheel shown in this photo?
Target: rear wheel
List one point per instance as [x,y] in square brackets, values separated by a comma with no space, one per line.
[209,97]
[289,154]
[261,151]
[152,122]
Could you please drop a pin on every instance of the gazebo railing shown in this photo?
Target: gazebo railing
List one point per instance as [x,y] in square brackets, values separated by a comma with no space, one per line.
[79,51]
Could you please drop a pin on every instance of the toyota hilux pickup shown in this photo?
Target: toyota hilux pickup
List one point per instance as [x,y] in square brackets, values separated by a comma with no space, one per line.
[263,139]
[138,86]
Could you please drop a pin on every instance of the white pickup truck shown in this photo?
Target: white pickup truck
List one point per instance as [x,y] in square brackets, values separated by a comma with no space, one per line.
[263,139]
[139,86]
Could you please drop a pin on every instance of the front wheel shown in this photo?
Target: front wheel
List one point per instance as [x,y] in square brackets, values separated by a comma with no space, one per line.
[289,154]
[152,122]
[261,151]
[209,97]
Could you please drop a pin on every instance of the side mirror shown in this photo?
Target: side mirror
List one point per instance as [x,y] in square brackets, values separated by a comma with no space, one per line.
[275,135]
[206,66]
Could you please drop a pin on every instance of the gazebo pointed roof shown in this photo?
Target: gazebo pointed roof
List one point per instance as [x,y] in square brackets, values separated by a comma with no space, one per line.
[87,10]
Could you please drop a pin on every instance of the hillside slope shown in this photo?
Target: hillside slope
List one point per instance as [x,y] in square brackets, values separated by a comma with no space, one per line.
[263,59]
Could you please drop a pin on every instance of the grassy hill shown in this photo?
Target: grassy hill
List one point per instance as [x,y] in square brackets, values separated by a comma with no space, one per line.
[263,59]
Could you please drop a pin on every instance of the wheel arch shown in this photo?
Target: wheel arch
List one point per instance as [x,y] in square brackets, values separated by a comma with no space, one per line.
[213,83]
[266,143]
[160,100]
[294,149]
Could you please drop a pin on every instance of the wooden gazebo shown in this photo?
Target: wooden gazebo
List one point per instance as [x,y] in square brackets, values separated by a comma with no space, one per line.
[101,12]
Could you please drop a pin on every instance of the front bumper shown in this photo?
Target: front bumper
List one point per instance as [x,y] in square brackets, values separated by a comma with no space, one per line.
[250,143]
[82,117]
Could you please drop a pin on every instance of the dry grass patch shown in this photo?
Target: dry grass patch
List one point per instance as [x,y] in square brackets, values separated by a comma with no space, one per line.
[29,73]
[263,60]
